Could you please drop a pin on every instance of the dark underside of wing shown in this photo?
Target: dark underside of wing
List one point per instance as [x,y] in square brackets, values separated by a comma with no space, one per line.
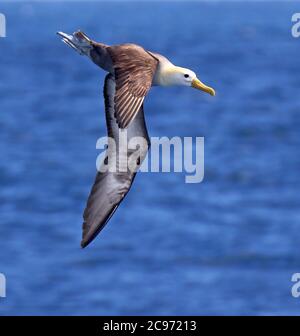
[110,188]
[106,195]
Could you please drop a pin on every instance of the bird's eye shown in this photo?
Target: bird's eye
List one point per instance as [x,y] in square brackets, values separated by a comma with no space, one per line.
[186,76]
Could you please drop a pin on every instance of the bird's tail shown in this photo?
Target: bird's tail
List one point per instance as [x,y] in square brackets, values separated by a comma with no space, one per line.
[79,41]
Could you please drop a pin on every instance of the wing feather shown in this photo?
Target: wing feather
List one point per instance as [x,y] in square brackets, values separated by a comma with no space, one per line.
[110,188]
[134,69]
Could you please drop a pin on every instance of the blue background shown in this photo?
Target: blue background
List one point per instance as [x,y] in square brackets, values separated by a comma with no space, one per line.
[226,246]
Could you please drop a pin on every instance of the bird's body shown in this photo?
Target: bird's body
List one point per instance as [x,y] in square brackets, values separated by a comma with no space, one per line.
[132,71]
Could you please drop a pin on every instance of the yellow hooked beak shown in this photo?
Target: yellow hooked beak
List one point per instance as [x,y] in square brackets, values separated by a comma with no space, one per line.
[200,86]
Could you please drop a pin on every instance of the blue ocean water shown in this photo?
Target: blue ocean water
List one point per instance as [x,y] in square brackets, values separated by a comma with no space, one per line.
[228,245]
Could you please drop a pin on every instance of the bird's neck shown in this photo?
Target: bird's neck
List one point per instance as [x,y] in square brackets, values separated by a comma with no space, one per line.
[165,75]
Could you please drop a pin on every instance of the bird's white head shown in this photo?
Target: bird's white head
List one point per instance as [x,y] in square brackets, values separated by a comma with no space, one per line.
[185,77]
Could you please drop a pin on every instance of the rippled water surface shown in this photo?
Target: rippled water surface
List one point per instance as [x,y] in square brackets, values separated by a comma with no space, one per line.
[228,245]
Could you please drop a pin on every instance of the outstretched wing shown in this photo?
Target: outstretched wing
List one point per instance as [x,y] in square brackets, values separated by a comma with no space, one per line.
[110,188]
[134,69]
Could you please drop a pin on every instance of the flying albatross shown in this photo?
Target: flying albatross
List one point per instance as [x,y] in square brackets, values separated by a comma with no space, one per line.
[132,71]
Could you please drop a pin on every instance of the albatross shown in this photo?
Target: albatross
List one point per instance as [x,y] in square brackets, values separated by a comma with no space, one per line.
[132,71]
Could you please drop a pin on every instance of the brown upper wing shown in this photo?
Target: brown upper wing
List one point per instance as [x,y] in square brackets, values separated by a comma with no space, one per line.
[134,69]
